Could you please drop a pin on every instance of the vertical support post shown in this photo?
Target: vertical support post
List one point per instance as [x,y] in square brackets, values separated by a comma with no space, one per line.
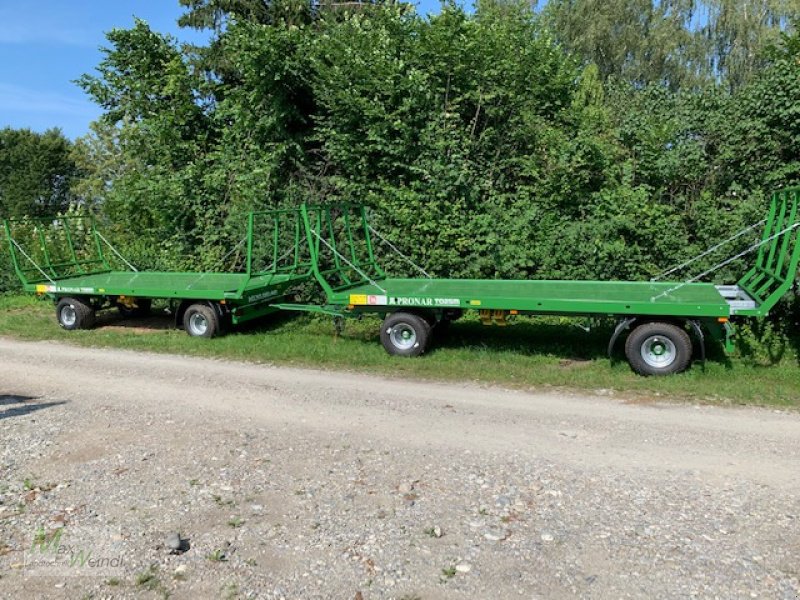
[773,208]
[332,233]
[275,240]
[71,246]
[43,246]
[313,248]
[368,239]
[794,259]
[297,219]
[13,252]
[250,221]
[779,226]
[349,231]
[787,237]
[98,244]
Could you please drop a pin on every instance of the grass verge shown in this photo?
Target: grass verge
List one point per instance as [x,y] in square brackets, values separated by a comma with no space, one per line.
[541,354]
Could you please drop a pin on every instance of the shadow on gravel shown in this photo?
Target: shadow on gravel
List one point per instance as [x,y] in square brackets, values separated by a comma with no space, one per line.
[27,405]
[14,399]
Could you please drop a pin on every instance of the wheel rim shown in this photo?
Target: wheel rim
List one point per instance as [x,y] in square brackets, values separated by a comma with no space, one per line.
[403,336]
[198,324]
[658,351]
[68,315]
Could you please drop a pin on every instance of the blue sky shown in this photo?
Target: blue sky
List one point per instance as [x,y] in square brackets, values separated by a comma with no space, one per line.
[47,44]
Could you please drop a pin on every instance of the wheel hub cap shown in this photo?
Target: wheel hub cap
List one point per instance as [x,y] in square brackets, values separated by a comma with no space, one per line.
[198,324]
[403,336]
[658,351]
[68,316]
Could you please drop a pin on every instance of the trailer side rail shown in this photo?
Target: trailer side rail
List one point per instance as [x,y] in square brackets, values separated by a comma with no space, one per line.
[46,250]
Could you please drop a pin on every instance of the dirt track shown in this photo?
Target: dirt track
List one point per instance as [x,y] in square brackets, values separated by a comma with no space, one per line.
[299,483]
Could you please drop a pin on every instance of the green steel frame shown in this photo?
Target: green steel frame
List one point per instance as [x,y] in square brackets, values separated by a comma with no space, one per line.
[75,265]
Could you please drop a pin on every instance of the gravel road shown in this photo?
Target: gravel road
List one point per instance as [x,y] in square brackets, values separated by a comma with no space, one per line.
[196,478]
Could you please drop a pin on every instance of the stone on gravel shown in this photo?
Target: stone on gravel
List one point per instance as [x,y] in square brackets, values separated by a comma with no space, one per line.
[496,535]
[175,544]
[173,541]
[180,571]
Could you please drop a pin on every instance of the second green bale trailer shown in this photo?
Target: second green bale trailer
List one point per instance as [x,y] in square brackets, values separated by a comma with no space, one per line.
[659,316]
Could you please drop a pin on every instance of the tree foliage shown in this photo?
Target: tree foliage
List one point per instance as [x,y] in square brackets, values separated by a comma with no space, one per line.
[639,41]
[36,172]
[680,43]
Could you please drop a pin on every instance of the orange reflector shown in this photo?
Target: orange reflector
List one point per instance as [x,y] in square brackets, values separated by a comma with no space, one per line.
[723,319]
[514,312]
[222,301]
[351,306]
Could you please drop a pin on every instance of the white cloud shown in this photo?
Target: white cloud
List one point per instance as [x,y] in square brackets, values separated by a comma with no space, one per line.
[14,98]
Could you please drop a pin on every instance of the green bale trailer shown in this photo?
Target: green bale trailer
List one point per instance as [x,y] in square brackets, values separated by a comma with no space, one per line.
[658,316]
[67,259]
[334,246]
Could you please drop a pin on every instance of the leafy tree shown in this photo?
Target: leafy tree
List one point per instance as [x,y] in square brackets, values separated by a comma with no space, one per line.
[681,43]
[737,32]
[153,138]
[759,130]
[638,41]
[217,14]
[36,172]
[461,128]
[213,14]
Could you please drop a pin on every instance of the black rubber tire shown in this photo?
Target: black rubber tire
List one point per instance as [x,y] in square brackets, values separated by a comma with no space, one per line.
[200,320]
[142,309]
[417,328]
[673,341]
[74,313]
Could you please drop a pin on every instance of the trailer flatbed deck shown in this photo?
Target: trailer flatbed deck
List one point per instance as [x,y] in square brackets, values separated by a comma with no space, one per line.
[542,296]
[159,284]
